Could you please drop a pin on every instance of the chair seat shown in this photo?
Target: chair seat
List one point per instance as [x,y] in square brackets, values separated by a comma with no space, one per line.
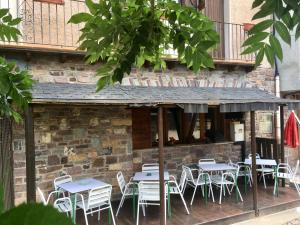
[265,170]
[129,191]
[218,180]
[244,173]
[284,175]
[80,205]
[64,207]
[174,190]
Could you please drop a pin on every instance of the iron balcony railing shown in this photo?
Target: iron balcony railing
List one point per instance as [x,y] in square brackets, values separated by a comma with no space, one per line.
[45,26]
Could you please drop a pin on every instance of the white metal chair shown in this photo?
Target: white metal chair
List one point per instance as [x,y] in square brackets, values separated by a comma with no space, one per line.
[63,205]
[149,195]
[201,180]
[295,178]
[245,171]
[126,189]
[284,171]
[178,189]
[263,170]
[98,199]
[61,180]
[227,179]
[150,167]
[207,161]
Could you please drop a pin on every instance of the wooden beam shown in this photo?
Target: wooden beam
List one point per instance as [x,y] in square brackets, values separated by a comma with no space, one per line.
[161,164]
[30,155]
[282,156]
[254,172]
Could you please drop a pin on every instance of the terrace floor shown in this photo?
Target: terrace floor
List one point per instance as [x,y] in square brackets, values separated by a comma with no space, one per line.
[228,212]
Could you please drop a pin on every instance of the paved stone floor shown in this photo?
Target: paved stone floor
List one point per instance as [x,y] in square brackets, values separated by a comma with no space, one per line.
[287,217]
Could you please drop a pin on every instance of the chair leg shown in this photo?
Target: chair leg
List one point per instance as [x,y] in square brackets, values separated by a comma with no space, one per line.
[144,210]
[238,190]
[229,192]
[120,204]
[166,202]
[274,189]
[224,190]
[193,195]
[263,176]
[99,214]
[221,192]
[184,203]
[112,214]
[86,219]
[212,193]
[137,213]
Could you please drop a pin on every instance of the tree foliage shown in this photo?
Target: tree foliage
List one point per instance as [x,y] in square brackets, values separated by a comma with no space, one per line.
[126,33]
[15,84]
[34,214]
[264,42]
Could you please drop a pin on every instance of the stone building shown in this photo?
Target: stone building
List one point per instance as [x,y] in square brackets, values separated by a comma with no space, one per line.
[86,140]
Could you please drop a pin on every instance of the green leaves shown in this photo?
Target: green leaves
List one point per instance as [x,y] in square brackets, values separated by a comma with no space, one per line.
[80,18]
[283,32]
[254,39]
[261,26]
[7,30]
[15,86]
[275,44]
[128,33]
[287,14]
[34,214]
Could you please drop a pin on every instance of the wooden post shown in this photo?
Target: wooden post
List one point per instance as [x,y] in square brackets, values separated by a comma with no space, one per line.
[161,165]
[254,172]
[30,155]
[282,156]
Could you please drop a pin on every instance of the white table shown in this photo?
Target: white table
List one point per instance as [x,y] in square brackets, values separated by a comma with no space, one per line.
[215,167]
[149,176]
[78,186]
[262,162]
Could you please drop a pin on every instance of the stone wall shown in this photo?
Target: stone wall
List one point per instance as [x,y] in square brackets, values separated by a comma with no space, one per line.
[176,156]
[80,141]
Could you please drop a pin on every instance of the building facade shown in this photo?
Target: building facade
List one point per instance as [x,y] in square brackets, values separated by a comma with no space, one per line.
[93,141]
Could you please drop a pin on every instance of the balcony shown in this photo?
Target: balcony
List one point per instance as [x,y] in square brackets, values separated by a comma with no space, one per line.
[44,27]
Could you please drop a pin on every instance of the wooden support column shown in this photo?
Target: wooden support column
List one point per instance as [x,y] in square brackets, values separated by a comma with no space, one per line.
[254,172]
[282,156]
[161,164]
[30,155]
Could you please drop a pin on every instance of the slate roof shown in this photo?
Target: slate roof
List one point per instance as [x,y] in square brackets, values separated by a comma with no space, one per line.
[230,99]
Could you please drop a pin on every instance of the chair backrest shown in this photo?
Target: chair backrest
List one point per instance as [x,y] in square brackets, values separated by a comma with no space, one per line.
[150,167]
[284,171]
[182,180]
[296,170]
[189,174]
[256,155]
[207,161]
[229,176]
[121,181]
[148,191]
[99,196]
[42,196]
[62,180]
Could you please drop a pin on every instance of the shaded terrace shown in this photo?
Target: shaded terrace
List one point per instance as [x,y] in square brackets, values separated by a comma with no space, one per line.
[190,100]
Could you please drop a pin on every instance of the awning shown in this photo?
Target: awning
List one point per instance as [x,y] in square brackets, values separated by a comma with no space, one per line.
[191,99]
